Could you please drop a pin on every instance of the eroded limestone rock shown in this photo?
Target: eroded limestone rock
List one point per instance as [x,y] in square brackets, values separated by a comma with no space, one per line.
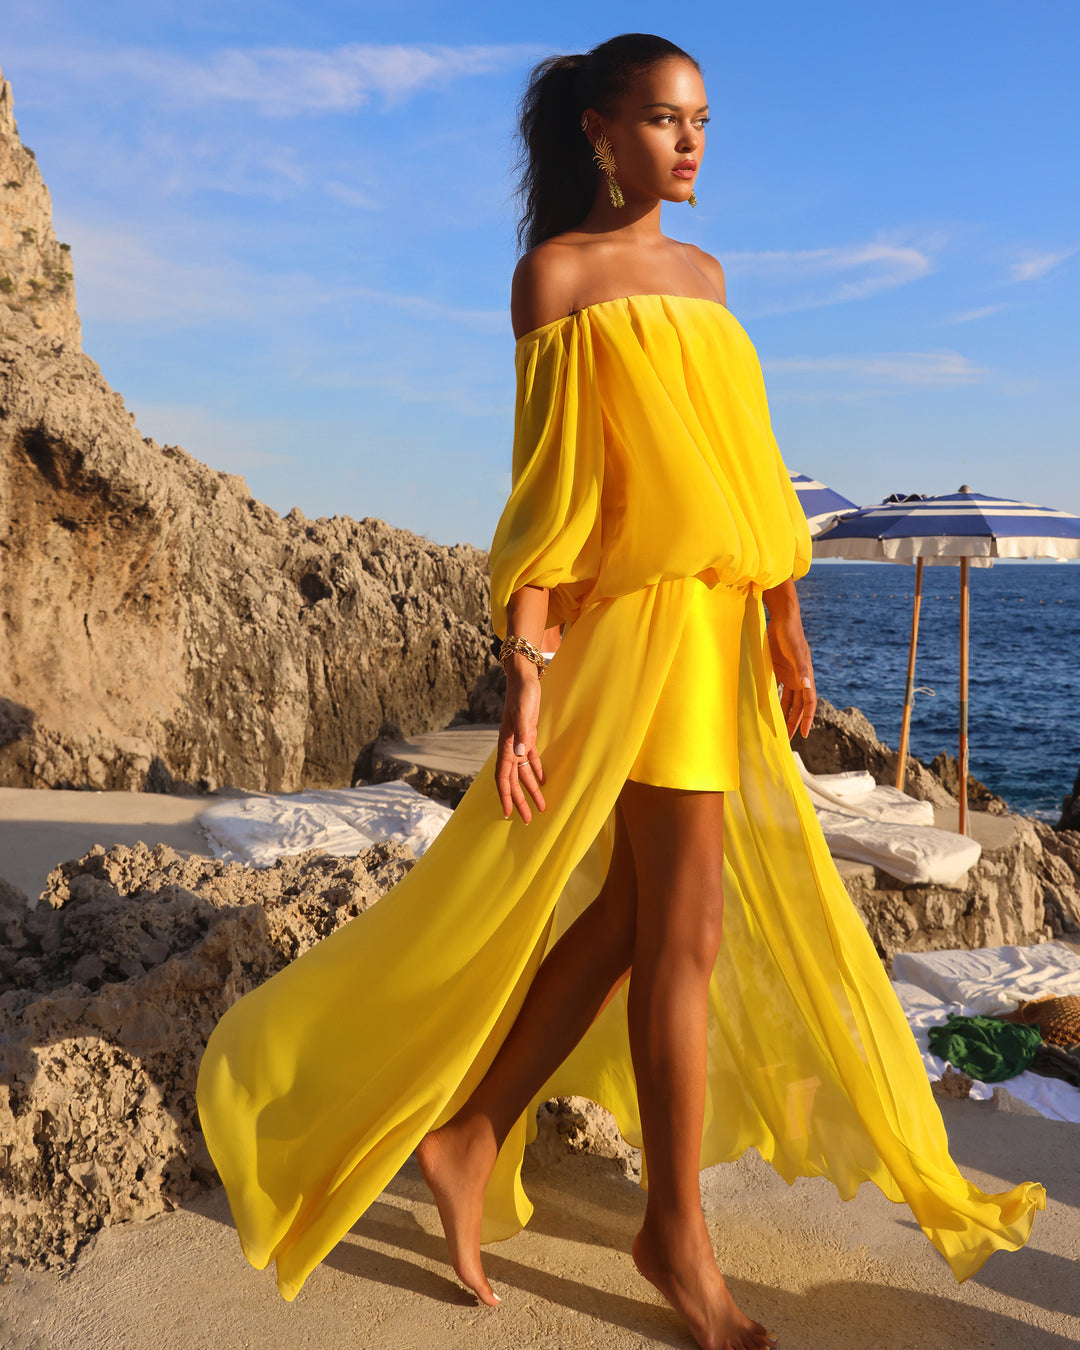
[119,981]
[577,1125]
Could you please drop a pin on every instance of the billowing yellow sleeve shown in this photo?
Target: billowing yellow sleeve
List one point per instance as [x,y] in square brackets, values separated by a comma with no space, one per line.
[549,533]
[803,548]
[802,554]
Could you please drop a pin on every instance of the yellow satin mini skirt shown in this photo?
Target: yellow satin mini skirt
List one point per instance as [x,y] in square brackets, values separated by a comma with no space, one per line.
[692,737]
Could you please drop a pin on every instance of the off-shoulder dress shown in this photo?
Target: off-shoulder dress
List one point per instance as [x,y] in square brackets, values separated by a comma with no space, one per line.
[649,495]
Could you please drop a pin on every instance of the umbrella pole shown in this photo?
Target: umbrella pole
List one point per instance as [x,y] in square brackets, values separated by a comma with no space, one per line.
[963,758]
[909,689]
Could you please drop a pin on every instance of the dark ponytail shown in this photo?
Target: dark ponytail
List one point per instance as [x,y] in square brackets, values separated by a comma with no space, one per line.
[557,173]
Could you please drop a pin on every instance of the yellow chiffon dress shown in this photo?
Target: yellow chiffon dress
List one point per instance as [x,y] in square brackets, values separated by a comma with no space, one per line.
[649,496]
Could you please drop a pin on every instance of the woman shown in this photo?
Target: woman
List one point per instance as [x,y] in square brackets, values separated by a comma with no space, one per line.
[650,517]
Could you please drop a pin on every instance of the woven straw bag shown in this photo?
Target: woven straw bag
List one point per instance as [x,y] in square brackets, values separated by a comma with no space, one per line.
[1058,1019]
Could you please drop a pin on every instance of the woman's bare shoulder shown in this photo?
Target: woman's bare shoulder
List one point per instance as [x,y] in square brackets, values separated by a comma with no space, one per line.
[709,267]
[544,285]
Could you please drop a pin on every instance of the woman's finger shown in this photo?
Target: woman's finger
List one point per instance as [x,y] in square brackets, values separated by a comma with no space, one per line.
[809,704]
[527,776]
[519,800]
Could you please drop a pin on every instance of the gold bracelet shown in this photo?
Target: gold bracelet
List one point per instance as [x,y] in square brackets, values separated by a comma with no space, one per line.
[526,648]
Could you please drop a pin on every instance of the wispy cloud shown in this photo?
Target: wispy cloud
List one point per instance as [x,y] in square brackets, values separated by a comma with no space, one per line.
[1035,265]
[283,81]
[927,370]
[233,445]
[971,315]
[810,278]
[351,196]
[448,389]
[121,278]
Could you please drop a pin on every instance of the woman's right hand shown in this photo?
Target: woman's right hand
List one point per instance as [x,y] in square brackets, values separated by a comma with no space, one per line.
[517,766]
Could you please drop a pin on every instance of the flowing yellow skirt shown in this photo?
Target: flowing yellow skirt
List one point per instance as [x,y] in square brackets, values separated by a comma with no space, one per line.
[316,1087]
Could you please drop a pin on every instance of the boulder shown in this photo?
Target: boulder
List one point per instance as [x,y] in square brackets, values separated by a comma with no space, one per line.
[980,797]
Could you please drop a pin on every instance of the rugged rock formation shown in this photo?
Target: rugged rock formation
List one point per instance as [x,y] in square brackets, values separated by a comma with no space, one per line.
[980,798]
[111,995]
[576,1125]
[35,270]
[1058,876]
[160,626]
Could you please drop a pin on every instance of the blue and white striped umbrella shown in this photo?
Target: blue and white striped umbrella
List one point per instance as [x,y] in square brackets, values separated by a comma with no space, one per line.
[820,503]
[962,527]
[962,524]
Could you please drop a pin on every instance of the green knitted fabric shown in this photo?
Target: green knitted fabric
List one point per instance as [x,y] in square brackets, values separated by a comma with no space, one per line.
[985,1047]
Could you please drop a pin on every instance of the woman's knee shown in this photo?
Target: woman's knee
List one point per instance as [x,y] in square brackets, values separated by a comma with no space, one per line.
[686,921]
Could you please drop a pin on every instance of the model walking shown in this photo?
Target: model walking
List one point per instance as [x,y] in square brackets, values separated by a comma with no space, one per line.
[669,838]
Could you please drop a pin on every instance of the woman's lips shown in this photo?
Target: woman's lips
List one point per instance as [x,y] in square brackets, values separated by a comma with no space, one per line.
[684,173]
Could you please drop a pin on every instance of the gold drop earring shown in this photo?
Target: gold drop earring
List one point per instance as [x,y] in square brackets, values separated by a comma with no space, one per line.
[692,199]
[605,157]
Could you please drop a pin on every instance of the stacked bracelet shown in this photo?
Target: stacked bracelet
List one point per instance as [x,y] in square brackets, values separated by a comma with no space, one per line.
[525,647]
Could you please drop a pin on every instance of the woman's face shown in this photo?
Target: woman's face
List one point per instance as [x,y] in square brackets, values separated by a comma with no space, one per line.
[658,126]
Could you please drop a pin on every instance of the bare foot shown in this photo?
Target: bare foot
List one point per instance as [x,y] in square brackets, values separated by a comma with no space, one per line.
[695,1288]
[456,1162]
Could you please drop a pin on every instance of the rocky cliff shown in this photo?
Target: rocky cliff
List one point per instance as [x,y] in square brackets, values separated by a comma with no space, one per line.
[160,626]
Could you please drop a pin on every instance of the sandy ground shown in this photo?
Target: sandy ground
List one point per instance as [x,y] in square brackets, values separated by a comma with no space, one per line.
[822,1274]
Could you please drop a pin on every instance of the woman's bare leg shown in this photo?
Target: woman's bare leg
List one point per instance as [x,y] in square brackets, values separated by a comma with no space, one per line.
[677,840]
[575,979]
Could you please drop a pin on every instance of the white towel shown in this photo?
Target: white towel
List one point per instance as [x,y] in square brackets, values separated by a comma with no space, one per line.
[258,830]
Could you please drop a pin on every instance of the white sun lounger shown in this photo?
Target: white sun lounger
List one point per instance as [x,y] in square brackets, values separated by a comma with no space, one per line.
[887,829]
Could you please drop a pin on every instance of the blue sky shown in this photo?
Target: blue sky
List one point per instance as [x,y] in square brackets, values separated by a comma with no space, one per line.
[292,229]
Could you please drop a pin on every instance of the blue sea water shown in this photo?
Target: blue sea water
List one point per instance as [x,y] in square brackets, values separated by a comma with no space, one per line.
[1023,665]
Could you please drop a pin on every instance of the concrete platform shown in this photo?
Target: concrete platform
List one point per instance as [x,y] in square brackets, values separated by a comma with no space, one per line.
[992,832]
[458,750]
[39,829]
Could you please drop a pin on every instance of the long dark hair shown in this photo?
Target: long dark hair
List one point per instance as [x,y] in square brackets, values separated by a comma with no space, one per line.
[556,171]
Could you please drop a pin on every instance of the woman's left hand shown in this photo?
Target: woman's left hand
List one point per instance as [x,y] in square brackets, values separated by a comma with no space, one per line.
[794,670]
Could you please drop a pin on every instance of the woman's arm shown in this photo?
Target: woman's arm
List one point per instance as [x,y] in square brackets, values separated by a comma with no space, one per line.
[526,616]
[791,657]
